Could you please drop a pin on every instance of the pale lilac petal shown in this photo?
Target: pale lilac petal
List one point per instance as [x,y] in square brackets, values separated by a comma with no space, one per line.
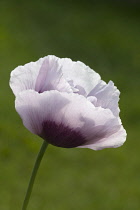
[41,75]
[115,140]
[107,96]
[92,99]
[105,125]
[49,115]
[35,108]
[70,115]
[24,77]
[81,75]
[50,105]
[50,77]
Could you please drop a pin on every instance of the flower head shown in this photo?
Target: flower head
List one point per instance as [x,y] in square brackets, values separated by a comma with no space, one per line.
[67,104]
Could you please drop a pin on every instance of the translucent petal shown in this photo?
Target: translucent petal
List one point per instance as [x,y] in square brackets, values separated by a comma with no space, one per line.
[107,96]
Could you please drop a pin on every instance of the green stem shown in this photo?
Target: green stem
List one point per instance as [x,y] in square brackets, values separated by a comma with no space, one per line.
[34,172]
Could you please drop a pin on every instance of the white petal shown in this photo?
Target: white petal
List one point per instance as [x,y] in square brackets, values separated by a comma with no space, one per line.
[80,74]
[115,140]
[70,110]
[24,77]
[50,77]
[27,77]
[107,96]
[35,108]
[92,99]
[53,109]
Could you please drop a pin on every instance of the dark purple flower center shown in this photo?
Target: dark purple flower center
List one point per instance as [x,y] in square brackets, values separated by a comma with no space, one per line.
[60,135]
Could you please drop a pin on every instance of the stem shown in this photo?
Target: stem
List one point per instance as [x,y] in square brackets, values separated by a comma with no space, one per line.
[33,176]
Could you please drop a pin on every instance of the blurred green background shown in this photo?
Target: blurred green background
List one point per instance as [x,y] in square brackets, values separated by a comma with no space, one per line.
[106,36]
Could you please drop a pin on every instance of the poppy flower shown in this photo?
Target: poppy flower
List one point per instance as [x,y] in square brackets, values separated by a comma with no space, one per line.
[67,104]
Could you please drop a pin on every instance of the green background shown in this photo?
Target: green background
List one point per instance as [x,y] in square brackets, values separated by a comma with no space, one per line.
[106,36]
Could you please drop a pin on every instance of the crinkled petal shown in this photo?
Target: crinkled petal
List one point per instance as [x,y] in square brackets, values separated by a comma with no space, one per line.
[107,96]
[65,120]
[82,76]
[44,74]
[50,77]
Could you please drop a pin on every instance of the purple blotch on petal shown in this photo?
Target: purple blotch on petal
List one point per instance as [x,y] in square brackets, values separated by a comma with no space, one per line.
[60,135]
